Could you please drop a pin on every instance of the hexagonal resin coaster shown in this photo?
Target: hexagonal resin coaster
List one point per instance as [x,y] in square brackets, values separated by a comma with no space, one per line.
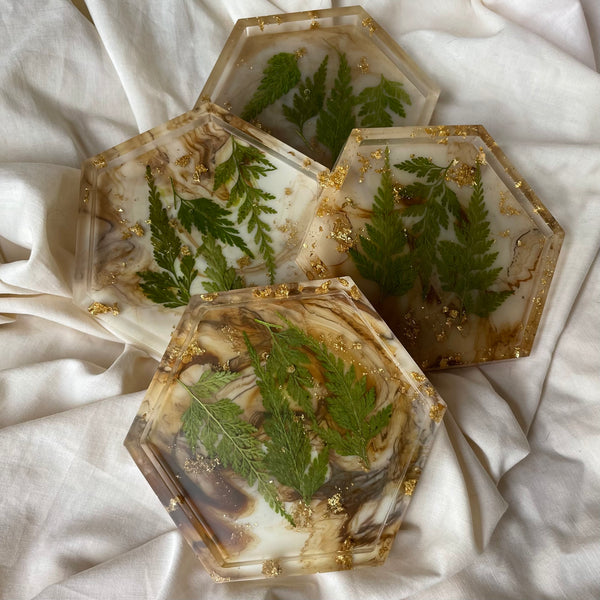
[202,203]
[445,238]
[285,430]
[310,77]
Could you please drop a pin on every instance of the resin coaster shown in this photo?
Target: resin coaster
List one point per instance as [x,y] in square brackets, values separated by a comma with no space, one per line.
[202,203]
[444,237]
[285,430]
[310,77]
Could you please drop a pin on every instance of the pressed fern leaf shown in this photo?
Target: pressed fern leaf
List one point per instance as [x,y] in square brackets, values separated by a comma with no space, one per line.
[288,456]
[169,287]
[351,403]
[224,435]
[241,171]
[465,266]
[431,203]
[280,75]
[337,119]
[219,274]
[377,99]
[308,101]
[209,218]
[382,257]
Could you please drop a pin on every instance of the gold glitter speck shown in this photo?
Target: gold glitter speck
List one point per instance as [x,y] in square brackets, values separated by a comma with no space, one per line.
[418,377]
[288,191]
[218,578]
[173,503]
[200,465]
[261,23]
[282,291]
[99,162]
[409,486]
[97,308]
[334,504]
[192,350]
[355,293]
[244,261]
[300,52]
[369,24]
[323,288]
[436,412]
[462,174]
[266,292]
[318,266]
[209,297]
[342,234]
[183,161]
[198,172]
[302,514]
[271,568]
[363,65]
[335,178]
[377,154]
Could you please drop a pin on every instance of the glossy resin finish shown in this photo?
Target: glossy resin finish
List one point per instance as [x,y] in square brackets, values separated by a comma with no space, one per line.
[203,202]
[445,238]
[310,77]
[285,430]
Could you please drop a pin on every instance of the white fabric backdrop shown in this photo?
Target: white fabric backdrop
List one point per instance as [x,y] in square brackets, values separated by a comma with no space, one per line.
[509,507]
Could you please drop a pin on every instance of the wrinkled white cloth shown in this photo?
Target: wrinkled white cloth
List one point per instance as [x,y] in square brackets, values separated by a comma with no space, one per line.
[509,504]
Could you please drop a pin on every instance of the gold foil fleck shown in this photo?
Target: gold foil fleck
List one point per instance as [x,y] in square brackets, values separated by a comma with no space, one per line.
[205,98]
[300,52]
[314,24]
[244,261]
[384,548]
[418,377]
[409,486]
[271,568]
[505,208]
[306,162]
[334,504]
[266,292]
[302,514]
[261,23]
[335,178]
[198,172]
[323,288]
[86,195]
[277,19]
[183,161]
[97,308]
[343,282]
[99,162]
[173,503]
[200,465]
[436,412]
[137,230]
[324,210]
[282,291]
[355,293]
[209,297]
[192,350]
[227,105]
[318,266]
[234,338]
[288,191]
[505,233]
[342,234]
[218,578]
[518,184]
[365,165]
[363,65]
[358,138]
[377,154]
[369,24]
[438,131]
[480,159]
[462,174]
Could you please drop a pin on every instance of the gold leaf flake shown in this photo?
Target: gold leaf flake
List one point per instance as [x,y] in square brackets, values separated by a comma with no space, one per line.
[436,412]
[363,65]
[183,161]
[97,308]
[99,162]
[335,178]
[271,568]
